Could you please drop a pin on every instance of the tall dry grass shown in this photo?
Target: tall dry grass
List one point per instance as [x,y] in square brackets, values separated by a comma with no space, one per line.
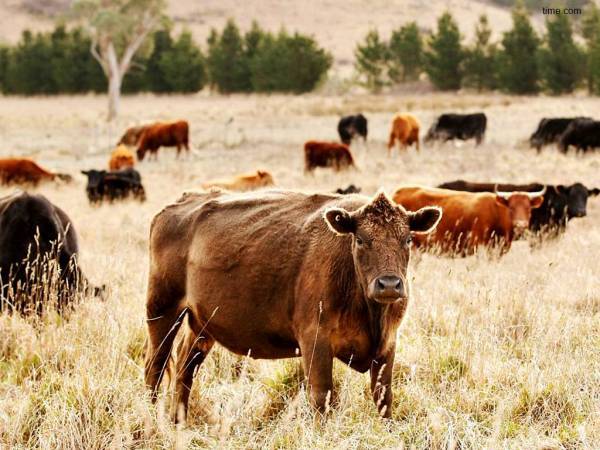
[494,353]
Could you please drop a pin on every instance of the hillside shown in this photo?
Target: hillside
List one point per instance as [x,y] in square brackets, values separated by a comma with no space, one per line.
[336,24]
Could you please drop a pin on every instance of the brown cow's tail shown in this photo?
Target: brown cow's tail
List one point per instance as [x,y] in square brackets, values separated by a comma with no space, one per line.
[391,141]
[307,158]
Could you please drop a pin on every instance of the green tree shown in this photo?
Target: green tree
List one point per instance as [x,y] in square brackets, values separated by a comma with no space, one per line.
[405,53]
[28,71]
[118,29]
[228,66]
[371,60]
[288,63]
[443,59]
[183,66]
[518,59]
[155,77]
[4,62]
[480,61]
[561,61]
[590,28]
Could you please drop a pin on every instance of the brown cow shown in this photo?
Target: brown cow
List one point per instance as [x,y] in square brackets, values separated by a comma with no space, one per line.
[281,274]
[121,158]
[132,136]
[405,129]
[243,182]
[327,154]
[25,170]
[472,219]
[173,134]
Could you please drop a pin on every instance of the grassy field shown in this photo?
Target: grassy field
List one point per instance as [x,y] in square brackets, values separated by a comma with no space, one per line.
[494,353]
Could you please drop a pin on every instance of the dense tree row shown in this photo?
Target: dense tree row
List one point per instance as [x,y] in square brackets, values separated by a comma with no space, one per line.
[61,62]
[522,62]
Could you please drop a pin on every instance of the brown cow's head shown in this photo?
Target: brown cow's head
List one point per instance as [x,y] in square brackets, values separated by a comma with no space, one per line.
[140,154]
[520,205]
[381,239]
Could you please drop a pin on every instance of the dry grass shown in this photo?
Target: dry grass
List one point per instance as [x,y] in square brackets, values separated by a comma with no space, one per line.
[493,353]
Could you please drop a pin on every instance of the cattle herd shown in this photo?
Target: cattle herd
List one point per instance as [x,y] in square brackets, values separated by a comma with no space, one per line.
[276,273]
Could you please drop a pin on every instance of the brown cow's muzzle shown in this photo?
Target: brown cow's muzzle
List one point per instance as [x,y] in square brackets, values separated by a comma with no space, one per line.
[387,289]
[519,228]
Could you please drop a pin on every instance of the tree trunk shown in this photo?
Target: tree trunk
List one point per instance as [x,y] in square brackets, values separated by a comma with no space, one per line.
[114,96]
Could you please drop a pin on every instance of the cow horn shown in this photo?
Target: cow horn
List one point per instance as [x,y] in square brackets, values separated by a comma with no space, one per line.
[505,195]
[537,194]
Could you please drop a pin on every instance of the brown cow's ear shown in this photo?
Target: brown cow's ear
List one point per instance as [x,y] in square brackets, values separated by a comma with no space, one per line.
[593,192]
[425,219]
[502,200]
[536,202]
[340,221]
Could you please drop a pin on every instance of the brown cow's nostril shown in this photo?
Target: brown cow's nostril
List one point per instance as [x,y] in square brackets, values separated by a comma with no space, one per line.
[389,285]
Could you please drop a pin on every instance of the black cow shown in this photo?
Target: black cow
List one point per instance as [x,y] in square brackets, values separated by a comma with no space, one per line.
[458,126]
[561,203]
[549,131]
[114,185]
[583,134]
[351,189]
[351,126]
[38,254]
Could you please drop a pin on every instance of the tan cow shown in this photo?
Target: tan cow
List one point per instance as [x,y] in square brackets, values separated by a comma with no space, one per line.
[405,130]
[121,158]
[242,182]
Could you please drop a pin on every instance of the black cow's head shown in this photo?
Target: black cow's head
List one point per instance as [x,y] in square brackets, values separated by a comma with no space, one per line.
[576,196]
[360,124]
[95,180]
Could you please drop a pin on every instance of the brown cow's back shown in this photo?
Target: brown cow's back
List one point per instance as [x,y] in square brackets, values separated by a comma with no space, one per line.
[327,154]
[25,170]
[243,182]
[468,220]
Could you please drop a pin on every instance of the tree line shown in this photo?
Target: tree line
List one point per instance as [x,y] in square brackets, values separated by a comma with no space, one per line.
[522,62]
[60,61]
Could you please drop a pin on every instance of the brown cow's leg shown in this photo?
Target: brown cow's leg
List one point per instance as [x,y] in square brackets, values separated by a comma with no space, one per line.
[381,383]
[190,354]
[163,324]
[317,360]
[391,142]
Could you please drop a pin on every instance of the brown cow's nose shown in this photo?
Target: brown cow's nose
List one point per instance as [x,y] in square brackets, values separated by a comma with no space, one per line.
[389,287]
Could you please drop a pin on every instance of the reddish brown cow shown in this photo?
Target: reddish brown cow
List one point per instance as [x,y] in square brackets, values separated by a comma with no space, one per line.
[327,154]
[472,219]
[132,136]
[281,274]
[405,129]
[25,170]
[173,134]
[121,158]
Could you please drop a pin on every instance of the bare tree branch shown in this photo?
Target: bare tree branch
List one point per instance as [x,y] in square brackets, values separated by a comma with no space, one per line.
[96,55]
[134,45]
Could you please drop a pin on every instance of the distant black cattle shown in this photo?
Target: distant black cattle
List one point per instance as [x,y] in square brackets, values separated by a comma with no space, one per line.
[549,131]
[113,185]
[561,203]
[38,254]
[351,189]
[458,126]
[583,134]
[351,126]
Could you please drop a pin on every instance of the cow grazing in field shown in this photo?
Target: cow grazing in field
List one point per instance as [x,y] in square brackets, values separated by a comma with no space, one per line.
[131,137]
[38,248]
[172,134]
[243,182]
[351,126]
[27,171]
[327,154]
[458,126]
[550,130]
[561,203]
[471,219]
[281,274]
[351,189]
[583,134]
[114,185]
[405,129]
[121,158]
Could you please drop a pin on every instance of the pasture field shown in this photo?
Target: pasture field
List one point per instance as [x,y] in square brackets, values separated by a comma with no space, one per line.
[493,353]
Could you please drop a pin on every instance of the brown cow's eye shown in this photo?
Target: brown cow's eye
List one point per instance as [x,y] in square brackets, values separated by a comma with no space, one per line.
[409,239]
[359,241]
